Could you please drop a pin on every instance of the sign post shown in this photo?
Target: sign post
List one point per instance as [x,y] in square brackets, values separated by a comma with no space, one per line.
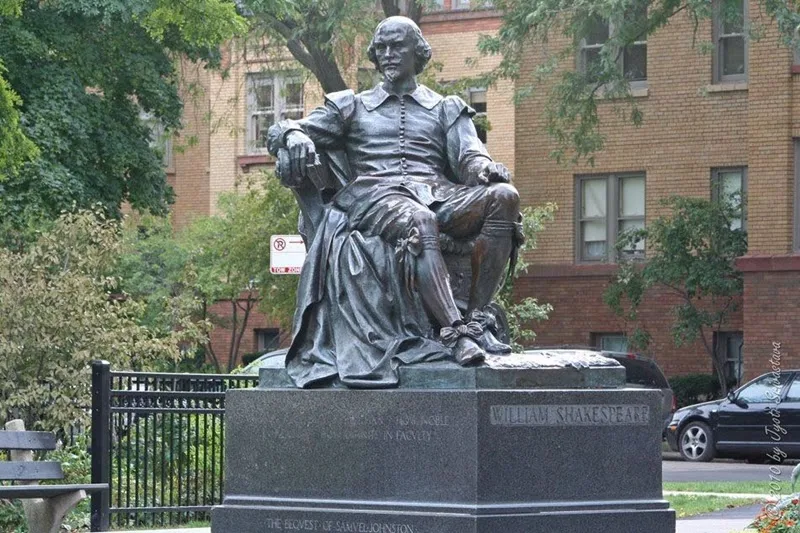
[287,254]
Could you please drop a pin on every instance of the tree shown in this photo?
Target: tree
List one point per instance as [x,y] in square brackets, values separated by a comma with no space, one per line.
[59,309]
[320,34]
[77,76]
[228,260]
[691,253]
[573,95]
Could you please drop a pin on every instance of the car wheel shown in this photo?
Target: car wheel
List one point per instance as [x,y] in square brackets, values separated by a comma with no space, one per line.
[696,442]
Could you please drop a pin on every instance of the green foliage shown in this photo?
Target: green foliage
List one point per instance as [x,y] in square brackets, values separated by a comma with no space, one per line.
[521,314]
[572,96]
[15,147]
[692,253]
[694,388]
[228,255]
[82,72]
[182,454]
[60,309]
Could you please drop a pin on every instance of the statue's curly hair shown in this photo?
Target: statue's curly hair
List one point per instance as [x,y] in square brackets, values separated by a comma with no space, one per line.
[422,50]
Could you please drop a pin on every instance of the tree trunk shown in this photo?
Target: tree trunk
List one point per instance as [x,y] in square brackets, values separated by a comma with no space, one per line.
[717,365]
[240,333]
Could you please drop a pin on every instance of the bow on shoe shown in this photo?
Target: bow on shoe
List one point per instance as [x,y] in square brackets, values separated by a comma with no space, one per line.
[450,335]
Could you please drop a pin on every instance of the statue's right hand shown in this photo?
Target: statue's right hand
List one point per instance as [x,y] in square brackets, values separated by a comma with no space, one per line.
[301,153]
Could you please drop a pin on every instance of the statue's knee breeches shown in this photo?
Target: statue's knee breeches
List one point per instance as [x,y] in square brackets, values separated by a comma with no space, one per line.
[503,202]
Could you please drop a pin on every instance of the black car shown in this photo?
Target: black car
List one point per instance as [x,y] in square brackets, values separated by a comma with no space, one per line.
[750,423]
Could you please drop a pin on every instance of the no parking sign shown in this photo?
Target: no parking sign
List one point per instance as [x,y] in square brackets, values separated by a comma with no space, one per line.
[287,254]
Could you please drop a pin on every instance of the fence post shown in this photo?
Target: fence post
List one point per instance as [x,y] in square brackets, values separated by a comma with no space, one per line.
[101,443]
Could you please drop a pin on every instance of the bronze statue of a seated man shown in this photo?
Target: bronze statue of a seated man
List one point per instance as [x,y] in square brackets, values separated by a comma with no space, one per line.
[418,168]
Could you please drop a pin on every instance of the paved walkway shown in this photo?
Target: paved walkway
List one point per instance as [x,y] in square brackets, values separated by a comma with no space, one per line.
[725,521]
[764,497]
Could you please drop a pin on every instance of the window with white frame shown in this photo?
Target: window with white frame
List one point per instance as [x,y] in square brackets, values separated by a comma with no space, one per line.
[270,99]
[730,40]
[730,185]
[477,100]
[610,342]
[160,138]
[608,206]
[633,59]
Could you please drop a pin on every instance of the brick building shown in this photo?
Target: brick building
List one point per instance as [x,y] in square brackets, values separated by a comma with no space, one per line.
[227,118]
[720,121]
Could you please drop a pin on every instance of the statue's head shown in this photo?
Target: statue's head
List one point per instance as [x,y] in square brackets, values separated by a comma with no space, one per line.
[398,48]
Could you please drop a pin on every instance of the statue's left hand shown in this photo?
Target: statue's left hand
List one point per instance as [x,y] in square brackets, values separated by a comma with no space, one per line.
[494,173]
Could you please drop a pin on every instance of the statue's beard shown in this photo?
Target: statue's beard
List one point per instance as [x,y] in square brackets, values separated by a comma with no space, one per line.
[391,74]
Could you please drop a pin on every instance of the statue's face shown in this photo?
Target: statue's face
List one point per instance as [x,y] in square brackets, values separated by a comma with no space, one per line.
[394,49]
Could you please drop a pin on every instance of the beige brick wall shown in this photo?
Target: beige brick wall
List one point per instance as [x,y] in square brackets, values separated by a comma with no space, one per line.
[453,49]
[190,172]
[688,129]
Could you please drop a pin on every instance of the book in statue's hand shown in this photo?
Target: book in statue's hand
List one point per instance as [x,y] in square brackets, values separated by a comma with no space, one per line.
[321,176]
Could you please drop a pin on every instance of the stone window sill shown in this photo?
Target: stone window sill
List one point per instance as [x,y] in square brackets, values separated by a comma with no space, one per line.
[247,161]
[636,92]
[726,87]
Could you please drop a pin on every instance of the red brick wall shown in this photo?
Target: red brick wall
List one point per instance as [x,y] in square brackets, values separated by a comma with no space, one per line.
[771,312]
[576,294]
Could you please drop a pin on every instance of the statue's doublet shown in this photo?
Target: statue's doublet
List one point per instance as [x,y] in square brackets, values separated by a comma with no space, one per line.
[414,144]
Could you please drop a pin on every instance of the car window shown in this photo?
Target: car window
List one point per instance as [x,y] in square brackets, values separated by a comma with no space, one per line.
[765,389]
[793,394]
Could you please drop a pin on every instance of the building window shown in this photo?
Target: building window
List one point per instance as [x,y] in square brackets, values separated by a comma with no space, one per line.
[608,206]
[633,59]
[160,138]
[728,346]
[267,340]
[610,342]
[270,99]
[730,55]
[730,185]
[477,100]
[456,5]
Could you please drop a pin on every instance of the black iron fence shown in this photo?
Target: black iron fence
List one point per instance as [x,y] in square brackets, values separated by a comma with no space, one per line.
[158,440]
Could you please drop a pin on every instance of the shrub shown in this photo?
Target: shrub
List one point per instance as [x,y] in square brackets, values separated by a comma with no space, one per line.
[694,388]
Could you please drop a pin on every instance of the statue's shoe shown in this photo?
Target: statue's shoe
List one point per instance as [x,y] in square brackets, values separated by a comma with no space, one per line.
[468,352]
[491,345]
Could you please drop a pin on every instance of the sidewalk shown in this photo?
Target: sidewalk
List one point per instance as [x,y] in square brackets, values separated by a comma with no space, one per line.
[763,497]
[726,521]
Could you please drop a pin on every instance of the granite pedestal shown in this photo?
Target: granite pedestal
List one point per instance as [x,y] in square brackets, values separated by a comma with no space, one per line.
[478,450]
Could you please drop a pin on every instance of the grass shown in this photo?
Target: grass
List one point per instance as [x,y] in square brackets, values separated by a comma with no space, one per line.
[778,488]
[690,505]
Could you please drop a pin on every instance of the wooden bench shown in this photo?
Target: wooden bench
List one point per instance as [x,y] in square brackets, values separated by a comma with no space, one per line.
[45,505]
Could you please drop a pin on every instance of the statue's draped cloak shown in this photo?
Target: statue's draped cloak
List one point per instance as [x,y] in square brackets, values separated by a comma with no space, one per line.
[354,317]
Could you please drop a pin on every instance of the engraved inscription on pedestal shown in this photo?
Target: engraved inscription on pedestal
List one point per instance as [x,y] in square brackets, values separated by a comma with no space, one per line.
[338,526]
[569,415]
